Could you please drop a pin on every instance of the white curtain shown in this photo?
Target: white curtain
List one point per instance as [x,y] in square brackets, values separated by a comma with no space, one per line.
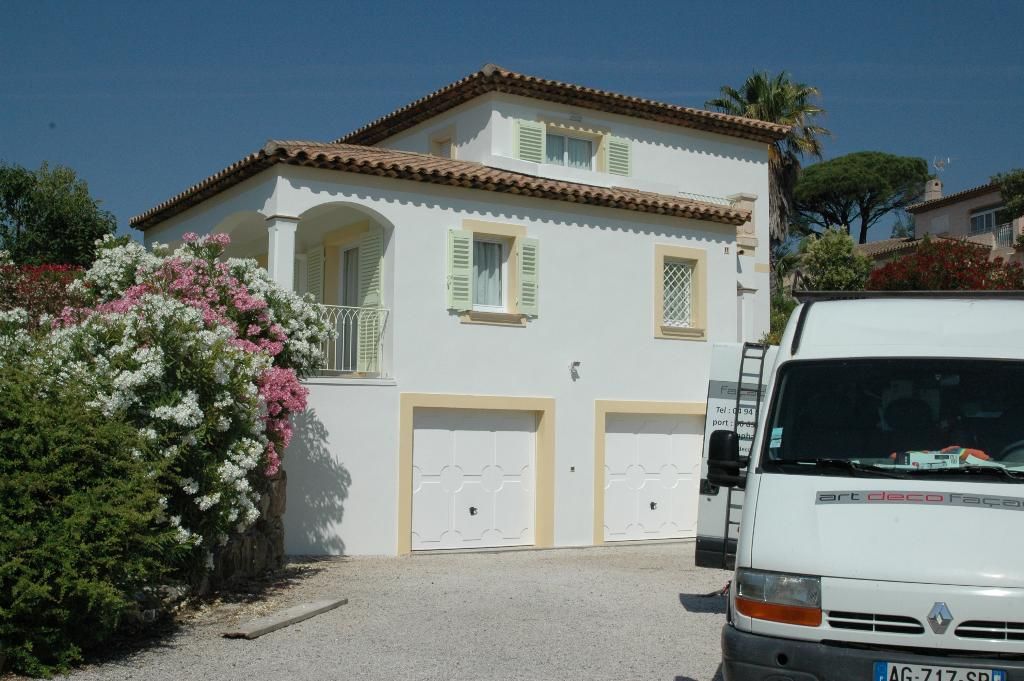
[581,152]
[555,146]
[487,273]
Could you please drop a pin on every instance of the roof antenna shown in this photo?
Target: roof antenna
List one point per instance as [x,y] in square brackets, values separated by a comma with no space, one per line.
[940,164]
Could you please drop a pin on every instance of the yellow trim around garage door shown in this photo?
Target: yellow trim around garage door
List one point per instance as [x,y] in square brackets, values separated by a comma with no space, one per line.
[601,410]
[544,407]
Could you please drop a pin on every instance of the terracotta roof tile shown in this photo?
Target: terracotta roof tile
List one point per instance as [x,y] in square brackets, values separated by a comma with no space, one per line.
[971,193]
[492,78]
[883,247]
[873,249]
[431,169]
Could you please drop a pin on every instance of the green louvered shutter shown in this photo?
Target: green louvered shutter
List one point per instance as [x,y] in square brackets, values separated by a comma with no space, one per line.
[460,270]
[371,255]
[620,156]
[530,137]
[315,273]
[369,322]
[529,272]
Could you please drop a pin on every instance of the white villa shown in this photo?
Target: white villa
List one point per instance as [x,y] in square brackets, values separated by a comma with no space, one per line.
[526,277]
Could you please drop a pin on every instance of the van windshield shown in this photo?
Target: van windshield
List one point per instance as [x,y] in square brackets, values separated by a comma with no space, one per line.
[901,417]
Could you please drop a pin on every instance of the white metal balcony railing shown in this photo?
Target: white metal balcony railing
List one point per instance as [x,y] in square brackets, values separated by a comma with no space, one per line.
[357,345]
[1004,235]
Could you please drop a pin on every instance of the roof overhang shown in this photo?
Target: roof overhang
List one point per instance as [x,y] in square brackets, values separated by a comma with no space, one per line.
[381,162]
[971,193]
[492,78]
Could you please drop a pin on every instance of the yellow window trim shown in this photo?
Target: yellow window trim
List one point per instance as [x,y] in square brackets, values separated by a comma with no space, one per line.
[493,318]
[439,136]
[544,495]
[698,257]
[597,134]
[511,234]
[601,410]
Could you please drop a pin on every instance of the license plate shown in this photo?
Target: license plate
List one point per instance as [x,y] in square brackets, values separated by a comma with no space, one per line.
[898,671]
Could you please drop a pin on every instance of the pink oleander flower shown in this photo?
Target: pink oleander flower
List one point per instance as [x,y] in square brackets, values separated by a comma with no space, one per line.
[155,331]
[273,462]
[283,394]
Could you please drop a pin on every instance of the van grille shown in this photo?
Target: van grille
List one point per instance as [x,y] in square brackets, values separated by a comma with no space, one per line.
[861,621]
[993,631]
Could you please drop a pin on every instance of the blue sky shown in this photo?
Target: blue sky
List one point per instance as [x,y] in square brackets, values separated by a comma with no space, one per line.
[146,98]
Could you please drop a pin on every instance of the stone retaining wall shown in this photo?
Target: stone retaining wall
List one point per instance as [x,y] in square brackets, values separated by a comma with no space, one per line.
[260,549]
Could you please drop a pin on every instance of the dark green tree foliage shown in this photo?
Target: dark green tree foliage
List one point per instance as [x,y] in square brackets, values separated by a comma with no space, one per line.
[48,216]
[1011,187]
[79,541]
[903,227]
[857,190]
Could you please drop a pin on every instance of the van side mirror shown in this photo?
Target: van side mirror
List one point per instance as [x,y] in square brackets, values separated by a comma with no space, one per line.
[724,460]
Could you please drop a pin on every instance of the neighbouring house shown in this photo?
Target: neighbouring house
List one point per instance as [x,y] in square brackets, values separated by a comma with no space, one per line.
[970,214]
[884,251]
[526,277]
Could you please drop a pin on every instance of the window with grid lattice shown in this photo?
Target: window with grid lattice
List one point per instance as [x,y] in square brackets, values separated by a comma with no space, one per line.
[678,294]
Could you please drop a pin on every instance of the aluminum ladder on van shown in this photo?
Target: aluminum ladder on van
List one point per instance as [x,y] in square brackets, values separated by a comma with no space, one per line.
[745,419]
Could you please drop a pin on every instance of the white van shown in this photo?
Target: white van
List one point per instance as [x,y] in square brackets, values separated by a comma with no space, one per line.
[882,528]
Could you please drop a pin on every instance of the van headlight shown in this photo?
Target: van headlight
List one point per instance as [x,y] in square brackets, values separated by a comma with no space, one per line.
[779,597]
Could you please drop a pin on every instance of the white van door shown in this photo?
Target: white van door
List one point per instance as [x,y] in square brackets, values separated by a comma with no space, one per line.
[719,509]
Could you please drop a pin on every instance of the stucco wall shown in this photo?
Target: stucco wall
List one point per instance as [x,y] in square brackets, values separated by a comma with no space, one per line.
[955,219]
[667,159]
[469,121]
[597,273]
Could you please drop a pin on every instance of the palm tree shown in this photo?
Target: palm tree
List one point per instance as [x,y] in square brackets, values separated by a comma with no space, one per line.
[777,99]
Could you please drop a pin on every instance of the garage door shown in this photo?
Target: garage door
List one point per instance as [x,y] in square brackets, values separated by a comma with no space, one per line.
[473,478]
[652,476]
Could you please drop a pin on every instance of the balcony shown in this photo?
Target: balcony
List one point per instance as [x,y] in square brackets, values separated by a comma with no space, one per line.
[997,236]
[357,347]
[1004,235]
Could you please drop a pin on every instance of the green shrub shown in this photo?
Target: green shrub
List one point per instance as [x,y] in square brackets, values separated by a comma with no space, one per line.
[830,263]
[80,537]
[782,308]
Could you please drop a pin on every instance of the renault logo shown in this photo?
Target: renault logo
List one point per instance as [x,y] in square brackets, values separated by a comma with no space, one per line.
[939,618]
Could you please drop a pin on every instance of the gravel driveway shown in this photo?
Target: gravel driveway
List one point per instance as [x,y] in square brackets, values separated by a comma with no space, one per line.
[616,612]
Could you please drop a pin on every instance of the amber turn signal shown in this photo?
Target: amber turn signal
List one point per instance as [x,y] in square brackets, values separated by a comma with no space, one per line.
[773,612]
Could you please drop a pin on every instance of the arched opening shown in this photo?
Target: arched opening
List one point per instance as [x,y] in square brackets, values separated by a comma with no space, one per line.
[343,259]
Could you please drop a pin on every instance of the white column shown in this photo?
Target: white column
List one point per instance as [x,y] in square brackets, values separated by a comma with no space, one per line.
[281,249]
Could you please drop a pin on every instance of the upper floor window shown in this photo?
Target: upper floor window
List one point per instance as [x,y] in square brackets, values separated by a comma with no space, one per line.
[573,147]
[490,272]
[680,292]
[984,220]
[572,152]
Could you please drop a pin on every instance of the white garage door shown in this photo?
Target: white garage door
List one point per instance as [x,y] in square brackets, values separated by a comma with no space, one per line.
[651,476]
[473,478]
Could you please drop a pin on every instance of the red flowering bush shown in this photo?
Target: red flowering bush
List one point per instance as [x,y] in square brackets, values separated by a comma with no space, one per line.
[37,289]
[947,265]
